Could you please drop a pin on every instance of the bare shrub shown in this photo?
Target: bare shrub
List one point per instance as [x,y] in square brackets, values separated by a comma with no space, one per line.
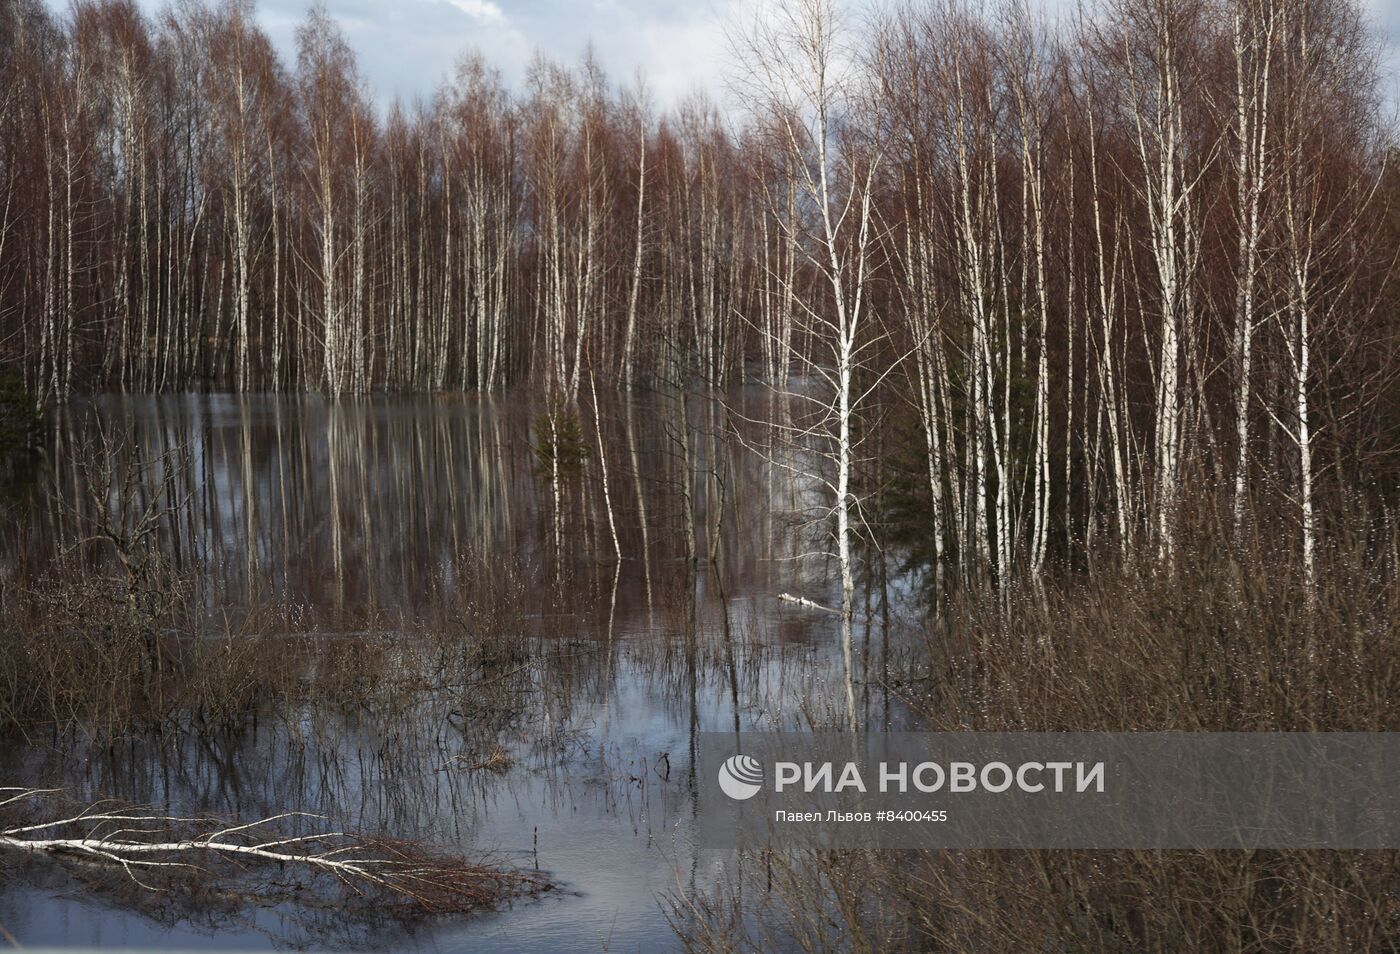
[1226,639]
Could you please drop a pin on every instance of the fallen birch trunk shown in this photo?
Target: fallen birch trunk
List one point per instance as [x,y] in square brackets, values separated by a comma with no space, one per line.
[142,843]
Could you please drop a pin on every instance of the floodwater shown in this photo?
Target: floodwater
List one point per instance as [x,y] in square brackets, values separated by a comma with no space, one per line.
[365,513]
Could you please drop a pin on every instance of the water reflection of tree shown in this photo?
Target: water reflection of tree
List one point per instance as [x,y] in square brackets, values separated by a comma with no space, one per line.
[358,504]
[442,634]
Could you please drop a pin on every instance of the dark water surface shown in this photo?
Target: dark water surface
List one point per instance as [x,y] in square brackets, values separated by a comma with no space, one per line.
[366,513]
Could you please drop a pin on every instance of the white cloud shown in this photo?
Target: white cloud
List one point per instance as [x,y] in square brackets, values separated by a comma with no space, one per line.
[483,10]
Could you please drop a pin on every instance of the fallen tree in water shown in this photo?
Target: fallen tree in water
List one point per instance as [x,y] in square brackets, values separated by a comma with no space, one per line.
[284,856]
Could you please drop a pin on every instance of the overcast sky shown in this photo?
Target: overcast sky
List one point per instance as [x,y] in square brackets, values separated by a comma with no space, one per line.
[406,47]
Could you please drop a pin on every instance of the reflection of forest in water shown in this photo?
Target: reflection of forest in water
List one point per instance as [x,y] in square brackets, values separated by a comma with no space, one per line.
[369,517]
[370,503]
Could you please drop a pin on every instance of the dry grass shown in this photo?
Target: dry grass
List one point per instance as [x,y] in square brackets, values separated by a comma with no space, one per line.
[103,654]
[1226,640]
[1231,639]
[93,652]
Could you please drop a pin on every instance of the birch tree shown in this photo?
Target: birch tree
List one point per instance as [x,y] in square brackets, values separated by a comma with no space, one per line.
[328,94]
[239,84]
[1152,37]
[821,115]
[1253,36]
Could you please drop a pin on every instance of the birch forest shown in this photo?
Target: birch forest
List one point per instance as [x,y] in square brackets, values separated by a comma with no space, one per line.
[400,497]
[1096,265]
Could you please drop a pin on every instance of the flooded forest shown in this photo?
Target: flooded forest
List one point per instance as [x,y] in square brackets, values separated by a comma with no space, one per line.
[391,492]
